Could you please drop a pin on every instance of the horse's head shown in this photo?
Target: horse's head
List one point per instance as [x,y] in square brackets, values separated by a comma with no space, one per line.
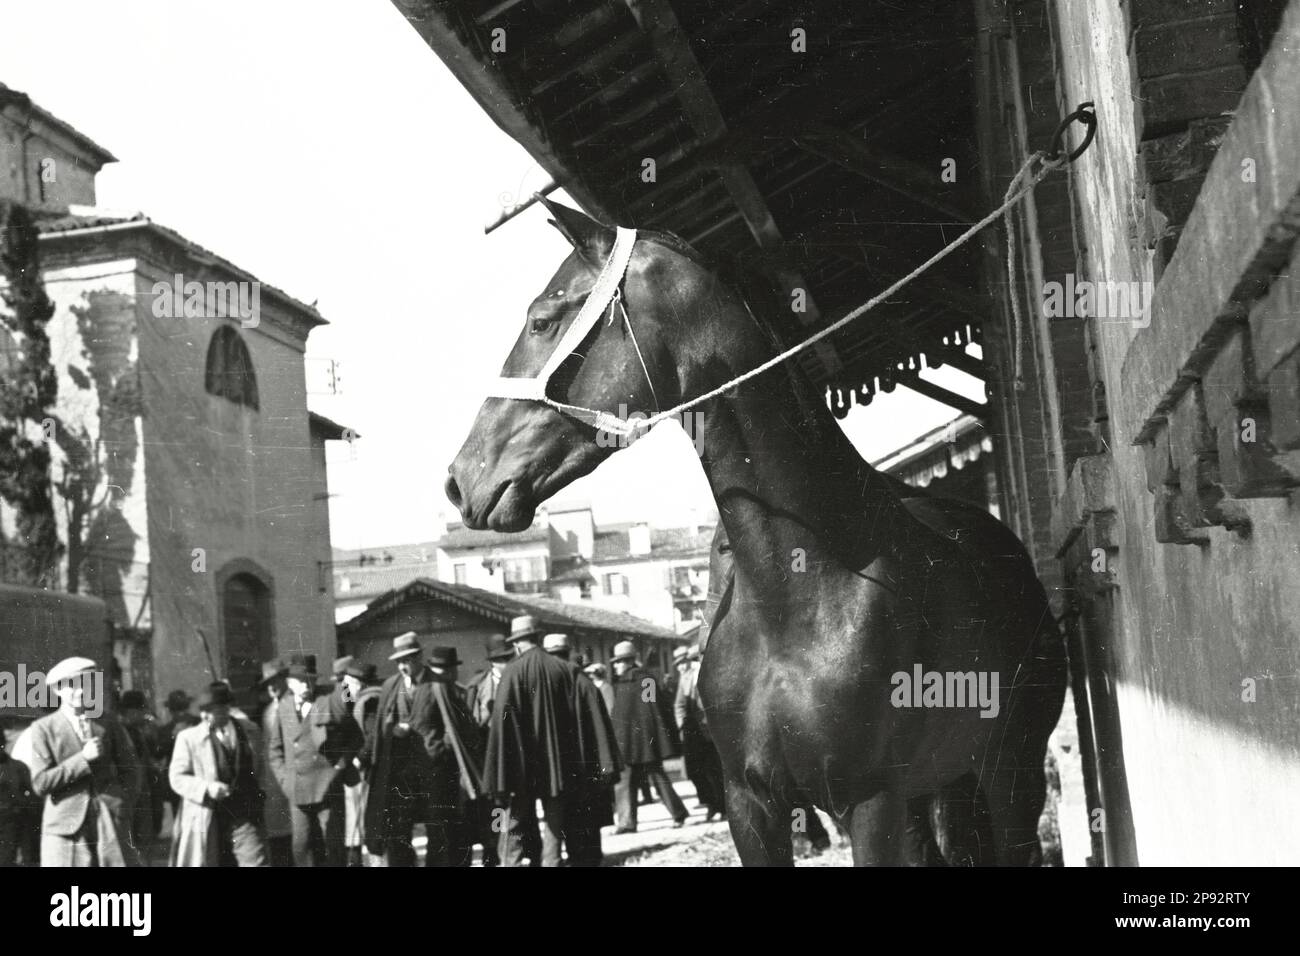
[520,452]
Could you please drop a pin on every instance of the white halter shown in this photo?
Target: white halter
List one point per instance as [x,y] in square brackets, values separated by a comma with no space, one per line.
[604,296]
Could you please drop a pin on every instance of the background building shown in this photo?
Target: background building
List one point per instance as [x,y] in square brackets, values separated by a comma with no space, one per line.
[190,475]
[660,575]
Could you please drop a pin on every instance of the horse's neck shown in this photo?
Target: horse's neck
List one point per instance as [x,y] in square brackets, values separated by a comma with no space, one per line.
[785,478]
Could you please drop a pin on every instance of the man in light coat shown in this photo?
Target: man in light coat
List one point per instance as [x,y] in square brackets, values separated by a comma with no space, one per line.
[214,769]
[85,768]
[311,747]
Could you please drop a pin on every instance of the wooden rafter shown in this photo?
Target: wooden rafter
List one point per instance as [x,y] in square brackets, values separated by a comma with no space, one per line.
[899,175]
[659,23]
[940,394]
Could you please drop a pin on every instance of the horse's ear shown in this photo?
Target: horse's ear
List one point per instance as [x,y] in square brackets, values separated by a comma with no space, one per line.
[585,234]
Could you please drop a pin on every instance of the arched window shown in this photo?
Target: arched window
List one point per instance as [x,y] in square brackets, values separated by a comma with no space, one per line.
[246,622]
[230,369]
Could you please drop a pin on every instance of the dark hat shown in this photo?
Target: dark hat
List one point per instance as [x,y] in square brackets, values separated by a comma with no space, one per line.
[356,669]
[404,645]
[370,673]
[304,671]
[216,695]
[303,660]
[524,626]
[179,700]
[270,671]
[133,700]
[341,665]
[443,657]
[498,649]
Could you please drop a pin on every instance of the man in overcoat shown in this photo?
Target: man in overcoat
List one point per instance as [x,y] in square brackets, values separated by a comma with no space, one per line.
[214,769]
[311,747]
[426,760]
[550,740]
[480,696]
[645,738]
[277,823]
[85,768]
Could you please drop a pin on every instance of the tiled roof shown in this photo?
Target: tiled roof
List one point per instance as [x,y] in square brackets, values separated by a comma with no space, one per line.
[664,542]
[503,607]
[52,222]
[458,537]
[8,96]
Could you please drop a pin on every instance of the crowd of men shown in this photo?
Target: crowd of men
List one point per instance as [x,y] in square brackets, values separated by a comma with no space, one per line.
[342,775]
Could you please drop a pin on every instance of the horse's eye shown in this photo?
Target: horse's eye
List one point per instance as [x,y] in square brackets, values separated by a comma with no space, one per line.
[724,548]
[541,324]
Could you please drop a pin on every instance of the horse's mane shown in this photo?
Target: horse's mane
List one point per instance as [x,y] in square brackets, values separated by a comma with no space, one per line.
[760,295]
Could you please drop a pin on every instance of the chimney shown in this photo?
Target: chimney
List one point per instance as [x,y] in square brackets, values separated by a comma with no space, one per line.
[638,538]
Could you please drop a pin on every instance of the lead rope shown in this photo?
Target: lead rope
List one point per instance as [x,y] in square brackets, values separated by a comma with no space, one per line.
[1015,192]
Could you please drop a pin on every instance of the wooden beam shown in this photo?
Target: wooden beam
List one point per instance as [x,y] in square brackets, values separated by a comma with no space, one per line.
[903,176]
[494,94]
[659,23]
[968,364]
[940,394]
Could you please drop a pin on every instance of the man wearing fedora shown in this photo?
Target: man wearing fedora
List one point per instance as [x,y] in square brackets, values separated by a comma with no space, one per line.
[349,686]
[147,816]
[85,768]
[427,764]
[178,718]
[645,738]
[311,747]
[550,740]
[214,769]
[277,824]
[480,695]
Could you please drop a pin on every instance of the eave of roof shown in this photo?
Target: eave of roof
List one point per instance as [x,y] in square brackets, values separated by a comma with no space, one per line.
[12,97]
[504,607]
[74,226]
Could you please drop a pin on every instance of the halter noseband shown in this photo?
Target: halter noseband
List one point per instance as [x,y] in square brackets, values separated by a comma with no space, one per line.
[604,296]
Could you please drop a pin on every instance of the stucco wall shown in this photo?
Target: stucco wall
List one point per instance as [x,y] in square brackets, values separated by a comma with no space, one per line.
[235,482]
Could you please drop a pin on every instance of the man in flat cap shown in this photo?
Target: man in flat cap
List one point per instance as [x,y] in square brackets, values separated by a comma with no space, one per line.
[550,740]
[214,770]
[427,765]
[85,768]
[311,747]
[645,738]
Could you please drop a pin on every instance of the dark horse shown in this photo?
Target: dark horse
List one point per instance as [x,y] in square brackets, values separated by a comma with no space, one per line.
[842,591]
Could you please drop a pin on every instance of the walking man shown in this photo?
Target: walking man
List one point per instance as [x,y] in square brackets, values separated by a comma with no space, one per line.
[277,825]
[645,739]
[550,740]
[85,768]
[311,746]
[214,770]
[426,760]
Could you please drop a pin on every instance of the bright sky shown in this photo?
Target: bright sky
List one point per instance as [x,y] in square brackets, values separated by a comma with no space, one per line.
[322,146]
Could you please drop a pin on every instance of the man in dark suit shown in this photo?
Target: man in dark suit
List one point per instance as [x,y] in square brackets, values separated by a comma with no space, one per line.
[427,764]
[481,694]
[85,768]
[277,823]
[645,738]
[310,747]
[550,740]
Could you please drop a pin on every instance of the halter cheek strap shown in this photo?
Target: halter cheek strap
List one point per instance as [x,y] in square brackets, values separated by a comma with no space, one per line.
[604,296]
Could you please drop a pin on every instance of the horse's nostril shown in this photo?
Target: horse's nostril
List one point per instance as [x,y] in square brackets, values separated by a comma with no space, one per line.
[453,491]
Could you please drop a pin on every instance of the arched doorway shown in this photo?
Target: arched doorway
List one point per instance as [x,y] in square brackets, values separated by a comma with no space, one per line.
[246,629]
